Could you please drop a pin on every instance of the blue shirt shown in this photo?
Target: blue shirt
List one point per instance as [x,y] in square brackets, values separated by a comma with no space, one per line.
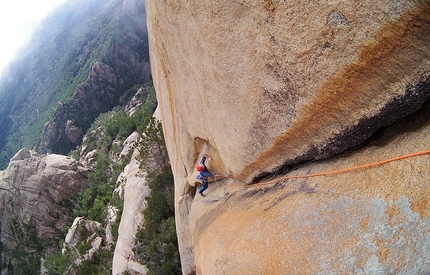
[205,174]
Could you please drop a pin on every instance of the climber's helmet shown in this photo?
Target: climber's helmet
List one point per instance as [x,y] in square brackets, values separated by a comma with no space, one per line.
[200,167]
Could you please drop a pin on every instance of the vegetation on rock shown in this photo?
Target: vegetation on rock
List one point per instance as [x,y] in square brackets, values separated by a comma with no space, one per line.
[81,66]
[96,55]
[157,244]
[102,151]
[92,203]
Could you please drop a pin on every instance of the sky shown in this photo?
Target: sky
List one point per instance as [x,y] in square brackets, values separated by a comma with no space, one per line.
[18,18]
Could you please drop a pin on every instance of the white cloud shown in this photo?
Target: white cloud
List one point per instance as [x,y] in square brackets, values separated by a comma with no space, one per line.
[17,21]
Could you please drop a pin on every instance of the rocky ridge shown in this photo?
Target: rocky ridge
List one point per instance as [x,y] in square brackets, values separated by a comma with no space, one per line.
[135,192]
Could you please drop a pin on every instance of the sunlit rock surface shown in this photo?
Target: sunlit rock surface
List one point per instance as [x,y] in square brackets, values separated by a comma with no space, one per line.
[135,192]
[264,85]
[374,220]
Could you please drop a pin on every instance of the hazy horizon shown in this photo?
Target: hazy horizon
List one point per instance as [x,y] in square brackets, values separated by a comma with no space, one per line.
[18,21]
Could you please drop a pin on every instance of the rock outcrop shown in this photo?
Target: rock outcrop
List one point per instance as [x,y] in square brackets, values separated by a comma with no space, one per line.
[135,192]
[74,237]
[264,85]
[32,189]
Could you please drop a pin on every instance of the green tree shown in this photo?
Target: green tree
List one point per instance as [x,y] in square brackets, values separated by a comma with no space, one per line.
[152,148]
[158,245]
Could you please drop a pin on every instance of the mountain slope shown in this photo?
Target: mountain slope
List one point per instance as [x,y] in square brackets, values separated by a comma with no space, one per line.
[40,196]
[62,63]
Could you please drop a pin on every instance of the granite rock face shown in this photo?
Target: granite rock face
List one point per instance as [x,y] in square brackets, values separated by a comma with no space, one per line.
[374,220]
[32,189]
[135,192]
[264,85]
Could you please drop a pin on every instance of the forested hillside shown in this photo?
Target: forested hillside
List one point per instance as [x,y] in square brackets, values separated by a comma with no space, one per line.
[91,52]
[79,233]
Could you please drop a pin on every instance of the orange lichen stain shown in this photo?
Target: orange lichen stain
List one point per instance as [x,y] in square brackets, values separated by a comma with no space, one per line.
[364,223]
[383,251]
[170,90]
[421,206]
[399,50]
[392,211]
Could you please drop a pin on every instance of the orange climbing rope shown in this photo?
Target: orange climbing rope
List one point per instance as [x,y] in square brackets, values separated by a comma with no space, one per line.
[341,170]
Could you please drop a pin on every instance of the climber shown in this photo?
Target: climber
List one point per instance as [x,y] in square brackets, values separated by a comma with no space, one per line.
[204,174]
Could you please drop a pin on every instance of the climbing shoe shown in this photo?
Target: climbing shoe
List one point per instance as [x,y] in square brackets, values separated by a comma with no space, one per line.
[203,195]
